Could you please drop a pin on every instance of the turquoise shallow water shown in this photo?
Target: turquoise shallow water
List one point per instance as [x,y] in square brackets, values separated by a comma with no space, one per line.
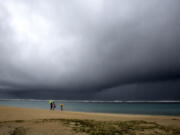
[104,107]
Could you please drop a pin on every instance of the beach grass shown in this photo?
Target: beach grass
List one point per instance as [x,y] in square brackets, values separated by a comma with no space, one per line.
[93,127]
[19,131]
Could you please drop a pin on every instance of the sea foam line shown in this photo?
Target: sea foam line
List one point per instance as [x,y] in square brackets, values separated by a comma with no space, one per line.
[98,101]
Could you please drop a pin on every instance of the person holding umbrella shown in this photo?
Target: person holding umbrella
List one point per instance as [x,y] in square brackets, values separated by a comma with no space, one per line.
[51,104]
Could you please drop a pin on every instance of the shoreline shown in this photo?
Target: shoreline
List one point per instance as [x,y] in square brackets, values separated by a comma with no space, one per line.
[87,112]
[9,113]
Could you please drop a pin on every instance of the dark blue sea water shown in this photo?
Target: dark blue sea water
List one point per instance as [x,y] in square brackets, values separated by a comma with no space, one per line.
[152,108]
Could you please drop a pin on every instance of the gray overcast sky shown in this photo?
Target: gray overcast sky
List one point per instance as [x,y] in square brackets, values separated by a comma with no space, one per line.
[90,49]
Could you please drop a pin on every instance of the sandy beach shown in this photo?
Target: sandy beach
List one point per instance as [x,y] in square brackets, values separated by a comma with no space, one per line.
[17,121]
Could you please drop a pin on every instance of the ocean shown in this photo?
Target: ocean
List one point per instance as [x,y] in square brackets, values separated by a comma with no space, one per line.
[129,107]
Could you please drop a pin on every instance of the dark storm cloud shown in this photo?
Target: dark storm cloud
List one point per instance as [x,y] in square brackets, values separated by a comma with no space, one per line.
[159,90]
[87,46]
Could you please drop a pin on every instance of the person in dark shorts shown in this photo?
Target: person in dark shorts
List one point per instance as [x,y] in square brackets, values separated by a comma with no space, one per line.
[51,104]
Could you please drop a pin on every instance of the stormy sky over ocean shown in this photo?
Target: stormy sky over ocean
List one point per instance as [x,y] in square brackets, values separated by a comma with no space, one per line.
[90,49]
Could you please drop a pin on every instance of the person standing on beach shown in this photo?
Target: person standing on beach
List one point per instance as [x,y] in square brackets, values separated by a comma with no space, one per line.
[61,105]
[51,104]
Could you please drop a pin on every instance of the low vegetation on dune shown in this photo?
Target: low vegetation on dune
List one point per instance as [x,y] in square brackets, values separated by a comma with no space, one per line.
[121,128]
[86,127]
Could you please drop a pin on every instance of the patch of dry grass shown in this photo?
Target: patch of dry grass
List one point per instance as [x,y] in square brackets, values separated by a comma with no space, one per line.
[121,128]
[84,127]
